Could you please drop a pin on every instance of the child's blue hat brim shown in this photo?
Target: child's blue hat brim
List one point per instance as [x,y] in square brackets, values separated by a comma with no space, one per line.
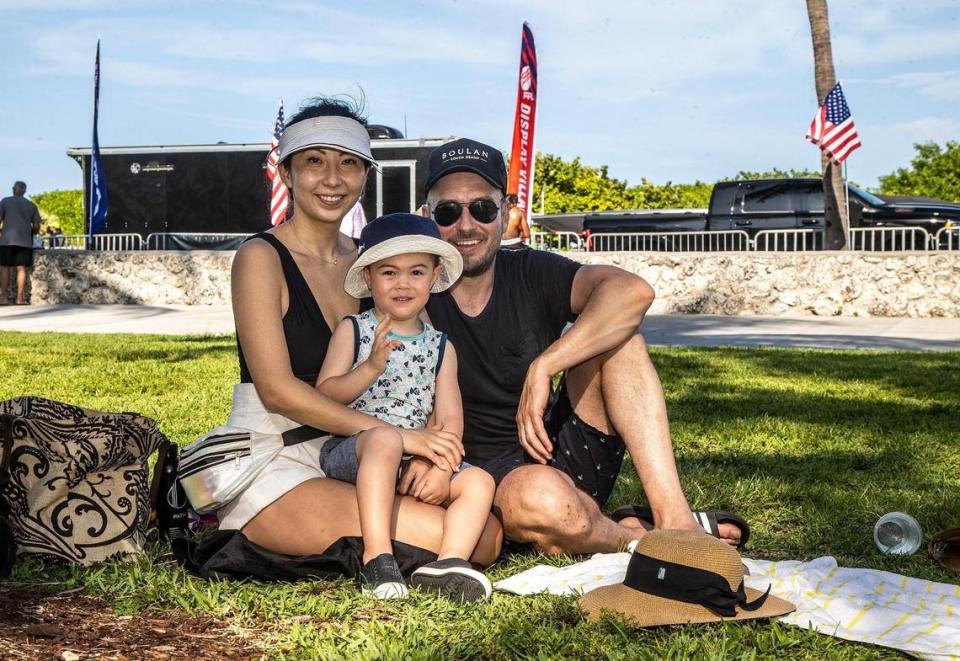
[401,234]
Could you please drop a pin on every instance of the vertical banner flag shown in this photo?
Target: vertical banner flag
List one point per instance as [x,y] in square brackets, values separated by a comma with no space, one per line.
[522,154]
[832,129]
[279,195]
[97,201]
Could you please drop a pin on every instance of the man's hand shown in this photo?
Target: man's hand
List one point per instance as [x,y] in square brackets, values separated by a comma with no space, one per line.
[382,345]
[442,448]
[533,402]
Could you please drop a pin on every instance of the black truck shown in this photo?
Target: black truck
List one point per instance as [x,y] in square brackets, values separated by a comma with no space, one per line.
[742,213]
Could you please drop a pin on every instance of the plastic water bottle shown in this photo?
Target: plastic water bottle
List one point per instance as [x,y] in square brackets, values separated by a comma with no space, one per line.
[897,533]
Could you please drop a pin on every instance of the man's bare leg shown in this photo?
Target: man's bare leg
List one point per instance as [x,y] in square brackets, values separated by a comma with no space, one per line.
[5,284]
[617,392]
[540,505]
[21,285]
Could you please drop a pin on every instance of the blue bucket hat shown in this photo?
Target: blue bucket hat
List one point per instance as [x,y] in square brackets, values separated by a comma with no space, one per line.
[401,234]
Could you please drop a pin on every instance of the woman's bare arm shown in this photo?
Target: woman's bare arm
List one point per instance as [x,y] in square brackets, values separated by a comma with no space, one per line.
[259,300]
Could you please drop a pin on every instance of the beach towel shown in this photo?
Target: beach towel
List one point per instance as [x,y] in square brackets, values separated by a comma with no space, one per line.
[866,605]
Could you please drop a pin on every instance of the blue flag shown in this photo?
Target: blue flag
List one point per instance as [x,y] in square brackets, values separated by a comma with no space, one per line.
[97,202]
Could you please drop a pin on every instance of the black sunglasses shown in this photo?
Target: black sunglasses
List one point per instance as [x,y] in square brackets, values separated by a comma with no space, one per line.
[483,210]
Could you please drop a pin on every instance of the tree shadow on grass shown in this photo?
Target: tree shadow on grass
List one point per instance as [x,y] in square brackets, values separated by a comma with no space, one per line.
[821,502]
[929,373]
[176,355]
[714,404]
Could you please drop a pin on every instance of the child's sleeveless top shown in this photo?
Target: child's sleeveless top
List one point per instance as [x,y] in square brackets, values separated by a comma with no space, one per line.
[403,395]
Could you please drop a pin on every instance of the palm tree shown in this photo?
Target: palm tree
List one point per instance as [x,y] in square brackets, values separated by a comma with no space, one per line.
[835,211]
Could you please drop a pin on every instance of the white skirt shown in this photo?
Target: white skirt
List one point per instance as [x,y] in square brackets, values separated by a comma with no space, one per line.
[294,465]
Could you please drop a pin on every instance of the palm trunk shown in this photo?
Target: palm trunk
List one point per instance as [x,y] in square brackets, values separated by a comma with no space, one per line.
[834,209]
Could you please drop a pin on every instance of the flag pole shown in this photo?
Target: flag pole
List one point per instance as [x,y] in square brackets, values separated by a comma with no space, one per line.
[90,170]
[846,195]
[98,194]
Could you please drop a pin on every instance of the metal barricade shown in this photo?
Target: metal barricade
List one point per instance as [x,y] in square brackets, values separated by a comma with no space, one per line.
[723,241]
[194,240]
[115,242]
[947,238]
[65,242]
[886,239]
[565,241]
[791,240]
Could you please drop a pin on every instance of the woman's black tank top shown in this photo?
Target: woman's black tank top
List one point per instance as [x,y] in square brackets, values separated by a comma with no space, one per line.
[304,327]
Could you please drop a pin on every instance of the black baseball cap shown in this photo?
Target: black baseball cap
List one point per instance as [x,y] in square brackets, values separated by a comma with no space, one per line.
[465,155]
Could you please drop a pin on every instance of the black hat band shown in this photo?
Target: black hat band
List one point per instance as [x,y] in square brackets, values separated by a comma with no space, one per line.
[689,585]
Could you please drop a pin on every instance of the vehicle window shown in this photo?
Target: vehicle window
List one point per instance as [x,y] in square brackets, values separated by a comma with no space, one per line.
[871,199]
[773,196]
[723,199]
[810,196]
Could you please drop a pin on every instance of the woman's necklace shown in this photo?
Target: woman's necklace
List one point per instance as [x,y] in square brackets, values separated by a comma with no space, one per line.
[332,262]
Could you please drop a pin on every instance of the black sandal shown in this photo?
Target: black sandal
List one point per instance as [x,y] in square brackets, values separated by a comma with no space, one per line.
[710,520]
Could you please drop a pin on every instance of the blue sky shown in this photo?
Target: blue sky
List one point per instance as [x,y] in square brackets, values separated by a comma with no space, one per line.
[665,90]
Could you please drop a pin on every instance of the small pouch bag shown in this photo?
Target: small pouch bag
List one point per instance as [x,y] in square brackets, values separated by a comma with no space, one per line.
[75,481]
[219,466]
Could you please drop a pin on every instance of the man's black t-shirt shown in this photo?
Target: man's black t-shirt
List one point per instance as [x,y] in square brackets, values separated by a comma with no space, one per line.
[527,310]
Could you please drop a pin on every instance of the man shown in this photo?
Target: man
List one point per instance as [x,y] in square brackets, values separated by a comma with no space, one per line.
[19,221]
[517,232]
[505,317]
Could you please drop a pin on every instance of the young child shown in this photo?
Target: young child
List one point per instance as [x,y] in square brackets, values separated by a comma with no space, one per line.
[389,363]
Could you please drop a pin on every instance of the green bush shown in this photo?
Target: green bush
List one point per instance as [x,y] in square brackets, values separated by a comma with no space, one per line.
[933,172]
[61,208]
[571,186]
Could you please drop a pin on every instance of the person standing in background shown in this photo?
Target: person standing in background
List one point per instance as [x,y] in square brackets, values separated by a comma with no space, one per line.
[19,221]
[517,232]
[354,222]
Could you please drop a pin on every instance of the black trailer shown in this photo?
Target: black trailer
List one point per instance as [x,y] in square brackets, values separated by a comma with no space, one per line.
[222,188]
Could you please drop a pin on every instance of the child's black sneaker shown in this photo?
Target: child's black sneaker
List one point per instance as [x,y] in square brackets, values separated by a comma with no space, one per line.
[381,578]
[454,578]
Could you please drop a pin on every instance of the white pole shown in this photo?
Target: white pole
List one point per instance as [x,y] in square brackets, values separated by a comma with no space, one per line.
[846,200]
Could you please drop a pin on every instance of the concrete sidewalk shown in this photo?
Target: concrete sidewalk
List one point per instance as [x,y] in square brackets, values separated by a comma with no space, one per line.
[676,330]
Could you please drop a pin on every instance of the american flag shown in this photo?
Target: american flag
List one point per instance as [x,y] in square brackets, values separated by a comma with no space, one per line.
[279,195]
[833,129]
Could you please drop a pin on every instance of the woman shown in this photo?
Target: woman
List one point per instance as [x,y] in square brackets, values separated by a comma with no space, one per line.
[287,296]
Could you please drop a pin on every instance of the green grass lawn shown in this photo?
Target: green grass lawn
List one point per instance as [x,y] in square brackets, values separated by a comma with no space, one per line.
[810,446]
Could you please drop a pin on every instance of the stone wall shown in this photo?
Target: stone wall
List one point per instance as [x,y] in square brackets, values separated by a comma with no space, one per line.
[822,283]
[200,277]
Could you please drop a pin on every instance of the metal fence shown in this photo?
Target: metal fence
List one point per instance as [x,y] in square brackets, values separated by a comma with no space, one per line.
[947,238]
[884,239]
[556,241]
[788,240]
[870,239]
[730,241]
[101,242]
[66,242]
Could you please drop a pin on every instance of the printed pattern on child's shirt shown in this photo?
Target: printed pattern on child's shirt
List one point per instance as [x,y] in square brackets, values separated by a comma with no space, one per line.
[403,395]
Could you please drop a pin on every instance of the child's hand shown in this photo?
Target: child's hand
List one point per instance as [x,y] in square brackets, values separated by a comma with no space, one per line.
[433,487]
[382,345]
[425,482]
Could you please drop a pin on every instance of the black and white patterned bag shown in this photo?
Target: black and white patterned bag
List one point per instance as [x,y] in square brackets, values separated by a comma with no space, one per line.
[75,481]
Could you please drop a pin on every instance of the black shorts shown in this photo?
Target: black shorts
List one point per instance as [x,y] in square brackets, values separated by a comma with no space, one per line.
[16,256]
[591,458]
